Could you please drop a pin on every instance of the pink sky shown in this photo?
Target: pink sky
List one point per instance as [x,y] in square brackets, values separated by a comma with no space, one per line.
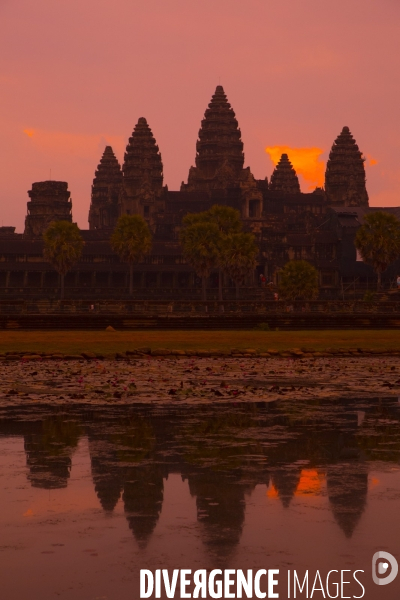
[77,74]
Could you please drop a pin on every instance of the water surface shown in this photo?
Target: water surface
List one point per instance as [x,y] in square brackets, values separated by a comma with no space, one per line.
[90,496]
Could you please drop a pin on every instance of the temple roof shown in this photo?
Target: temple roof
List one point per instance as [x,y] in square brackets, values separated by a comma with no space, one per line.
[284,178]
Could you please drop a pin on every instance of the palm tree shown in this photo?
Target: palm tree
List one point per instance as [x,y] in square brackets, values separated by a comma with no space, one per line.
[238,256]
[200,248]
[63,246]
[299,279]
[378,241]
[227,220]
[131,240]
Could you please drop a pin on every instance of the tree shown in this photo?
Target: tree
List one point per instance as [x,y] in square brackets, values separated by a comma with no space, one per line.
[200,248]
[63,246]
[299,279]
[378,241]
[238,256]
[131,240]
[227,220]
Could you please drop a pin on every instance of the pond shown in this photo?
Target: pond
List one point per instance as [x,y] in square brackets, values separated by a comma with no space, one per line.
[91,495]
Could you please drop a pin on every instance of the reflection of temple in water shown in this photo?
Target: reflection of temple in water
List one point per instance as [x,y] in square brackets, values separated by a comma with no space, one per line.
[107,479]
[117,467]
[46,471]
[285,480]
[49,448]
[347,485]
[130,457]
[143,497]
[221,506]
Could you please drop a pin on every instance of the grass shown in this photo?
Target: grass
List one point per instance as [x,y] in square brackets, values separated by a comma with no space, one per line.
[104,342]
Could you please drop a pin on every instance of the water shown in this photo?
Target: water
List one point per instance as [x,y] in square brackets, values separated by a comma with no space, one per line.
[91,496]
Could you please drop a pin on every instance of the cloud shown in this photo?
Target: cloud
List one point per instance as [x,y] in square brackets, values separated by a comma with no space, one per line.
[306,162]
[72,144]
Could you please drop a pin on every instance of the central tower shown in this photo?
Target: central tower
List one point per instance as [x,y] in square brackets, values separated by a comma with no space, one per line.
[219,149]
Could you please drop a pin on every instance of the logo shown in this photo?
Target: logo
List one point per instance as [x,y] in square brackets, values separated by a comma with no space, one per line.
[384,563]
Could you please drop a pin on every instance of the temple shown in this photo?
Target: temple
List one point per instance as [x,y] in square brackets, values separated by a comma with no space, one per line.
[288,224]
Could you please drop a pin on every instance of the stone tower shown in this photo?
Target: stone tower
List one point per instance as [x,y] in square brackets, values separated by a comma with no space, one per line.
[49,201]
[345,173]
[106,190]
[142,174]
[284,178]
[219,149]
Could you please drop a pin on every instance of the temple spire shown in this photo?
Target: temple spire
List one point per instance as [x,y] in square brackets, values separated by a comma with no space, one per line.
[106,188]
[284,178]
[142,171]
[345,173]
[219,148]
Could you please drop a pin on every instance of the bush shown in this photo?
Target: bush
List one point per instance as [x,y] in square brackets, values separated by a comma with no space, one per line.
[262,327]
[369,296]
[299,281]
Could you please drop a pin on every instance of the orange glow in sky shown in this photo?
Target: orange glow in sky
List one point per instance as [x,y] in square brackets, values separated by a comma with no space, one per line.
[60,143]
[305,161]
[371,161]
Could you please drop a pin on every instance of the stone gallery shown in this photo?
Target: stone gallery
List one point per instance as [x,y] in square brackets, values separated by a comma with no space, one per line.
[318,227]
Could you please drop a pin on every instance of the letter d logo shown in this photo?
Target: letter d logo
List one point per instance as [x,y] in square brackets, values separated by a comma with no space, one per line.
[383,568]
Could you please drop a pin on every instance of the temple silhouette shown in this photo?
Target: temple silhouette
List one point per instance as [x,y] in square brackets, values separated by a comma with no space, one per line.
[288,224]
